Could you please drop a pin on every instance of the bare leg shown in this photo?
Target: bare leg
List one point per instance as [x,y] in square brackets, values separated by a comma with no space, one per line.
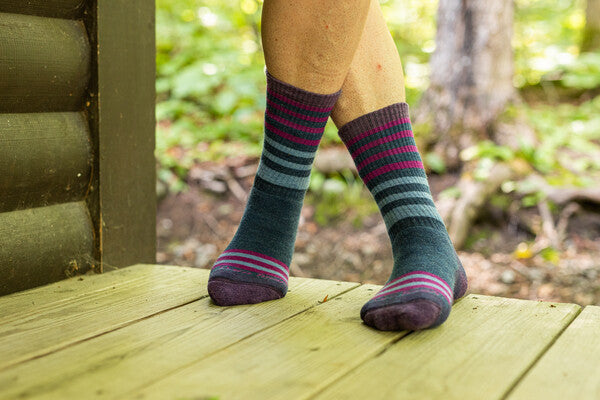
[309,46]
[310,43]
[375,126]
[375,77]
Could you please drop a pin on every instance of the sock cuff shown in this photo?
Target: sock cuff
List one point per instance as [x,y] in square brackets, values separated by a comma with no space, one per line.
[318,102]
[372,120]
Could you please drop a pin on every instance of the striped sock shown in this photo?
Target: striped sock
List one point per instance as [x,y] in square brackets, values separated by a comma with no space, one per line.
[427,274]
[255,265]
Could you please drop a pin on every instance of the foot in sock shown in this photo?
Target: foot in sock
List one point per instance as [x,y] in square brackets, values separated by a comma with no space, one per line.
[427,275]
[254,266]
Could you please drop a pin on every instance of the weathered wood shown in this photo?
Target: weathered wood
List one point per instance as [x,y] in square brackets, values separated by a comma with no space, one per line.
[292,360]
[109,366]
[44,159]
[479,353]
[45,8]
[42,245]
[67,322]
[44,64]
[123,202]
[573,359]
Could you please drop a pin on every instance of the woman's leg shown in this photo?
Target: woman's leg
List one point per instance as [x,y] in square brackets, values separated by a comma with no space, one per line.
[308,46]
[427,275]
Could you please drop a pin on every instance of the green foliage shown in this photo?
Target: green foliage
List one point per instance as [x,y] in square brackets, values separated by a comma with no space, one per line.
[341,196]
[584,73]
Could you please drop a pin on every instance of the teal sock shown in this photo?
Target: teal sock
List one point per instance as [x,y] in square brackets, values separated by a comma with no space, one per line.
[255,265]
[427,275]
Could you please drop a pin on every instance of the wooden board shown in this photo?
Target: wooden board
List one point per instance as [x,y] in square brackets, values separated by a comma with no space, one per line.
[46,8]
[291,360]
[42,245]
[122,201]
[479,353]
[44,64]
[45,158]
[109,366]
[574,359]
[68,322]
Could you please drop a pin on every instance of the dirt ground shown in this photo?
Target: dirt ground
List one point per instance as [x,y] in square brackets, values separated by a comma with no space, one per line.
[193,227]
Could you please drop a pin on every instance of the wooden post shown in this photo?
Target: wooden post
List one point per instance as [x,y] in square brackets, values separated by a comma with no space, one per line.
[123,203]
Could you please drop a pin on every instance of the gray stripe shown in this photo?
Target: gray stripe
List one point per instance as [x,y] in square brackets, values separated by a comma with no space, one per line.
[406,285]
[411,210]
[281,179]
[274,264]
[228,262]
[285,163]
[399,181]
[425,276]
[404,195]
[289,150]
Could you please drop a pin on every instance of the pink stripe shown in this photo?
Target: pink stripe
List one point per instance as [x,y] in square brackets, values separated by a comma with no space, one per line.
[442,287]
[392,167]
[415,287]
[294,114]
[397,150]
[254,253]
[258,271]
[387,139]
[418,272]
[291,137]
[249,260]
[296,104]
[291,124]
[377,129]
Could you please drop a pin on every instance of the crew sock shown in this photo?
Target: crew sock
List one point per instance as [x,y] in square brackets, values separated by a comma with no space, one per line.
[255,265]
[427,275]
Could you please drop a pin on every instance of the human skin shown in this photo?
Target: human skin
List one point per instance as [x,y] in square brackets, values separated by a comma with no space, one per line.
[310,44]
[375,79]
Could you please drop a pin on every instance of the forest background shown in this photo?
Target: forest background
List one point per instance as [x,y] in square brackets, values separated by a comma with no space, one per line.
[519,187]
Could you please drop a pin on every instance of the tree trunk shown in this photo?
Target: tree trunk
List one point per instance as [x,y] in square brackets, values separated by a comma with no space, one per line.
[591,33]
[471,74]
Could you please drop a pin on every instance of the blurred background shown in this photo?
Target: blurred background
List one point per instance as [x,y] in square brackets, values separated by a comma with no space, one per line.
[505,101]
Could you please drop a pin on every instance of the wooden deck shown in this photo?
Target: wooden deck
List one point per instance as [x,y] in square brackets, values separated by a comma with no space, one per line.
[151,332]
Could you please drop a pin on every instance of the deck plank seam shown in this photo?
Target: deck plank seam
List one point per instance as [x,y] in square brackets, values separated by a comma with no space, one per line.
[536,359]
[79,341]
[129,393]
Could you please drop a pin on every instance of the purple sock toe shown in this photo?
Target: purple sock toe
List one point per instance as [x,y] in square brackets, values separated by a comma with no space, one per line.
[225,292]
[413,315]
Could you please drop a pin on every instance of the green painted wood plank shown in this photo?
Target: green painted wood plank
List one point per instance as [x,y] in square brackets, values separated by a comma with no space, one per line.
[21,305]
[123,203]
[45,159]
[42,245]
[114,364]
[570,369]
[45,8]
[291,360]
[479,353]
[44,64]
[98,312]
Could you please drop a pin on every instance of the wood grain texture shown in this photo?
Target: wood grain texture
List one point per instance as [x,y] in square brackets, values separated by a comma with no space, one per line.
[45,158]
[63,323]
[573,359]
[124,202]
[479,353]
[114,364]
[45,8]
[291,360]
[44,64]
[43,245]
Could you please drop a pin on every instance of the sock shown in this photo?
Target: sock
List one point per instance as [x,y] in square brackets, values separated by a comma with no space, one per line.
[255,265]
[427,275]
